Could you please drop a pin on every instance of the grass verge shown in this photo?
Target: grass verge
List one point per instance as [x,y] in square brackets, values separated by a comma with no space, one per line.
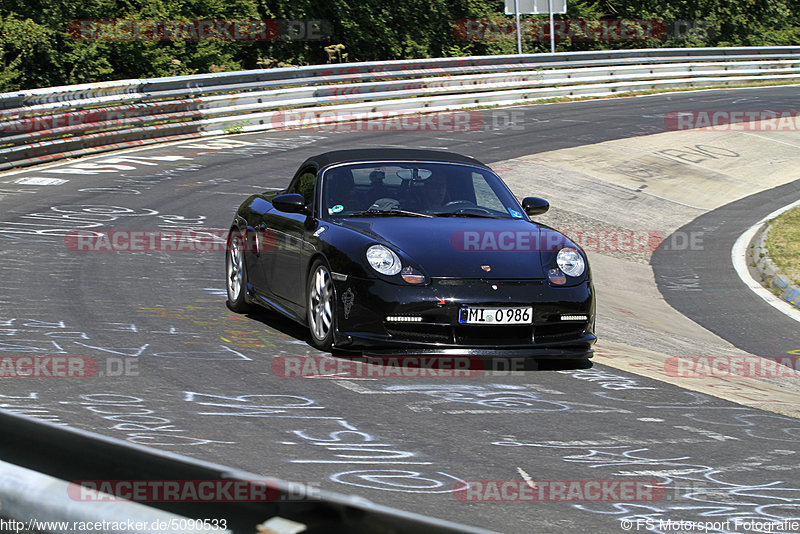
[783,243]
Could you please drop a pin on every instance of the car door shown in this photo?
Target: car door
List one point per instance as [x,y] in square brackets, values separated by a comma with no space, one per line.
[259,243]
[286,278]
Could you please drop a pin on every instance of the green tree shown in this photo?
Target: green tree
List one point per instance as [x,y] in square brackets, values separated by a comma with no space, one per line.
[40,46]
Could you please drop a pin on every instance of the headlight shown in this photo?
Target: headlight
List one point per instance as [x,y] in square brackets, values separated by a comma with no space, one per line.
[570,261]
[383,260]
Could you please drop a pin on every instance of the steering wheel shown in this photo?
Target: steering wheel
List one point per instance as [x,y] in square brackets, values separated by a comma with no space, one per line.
[385,203]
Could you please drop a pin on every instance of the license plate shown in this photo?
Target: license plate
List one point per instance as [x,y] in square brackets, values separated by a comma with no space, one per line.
[484,315]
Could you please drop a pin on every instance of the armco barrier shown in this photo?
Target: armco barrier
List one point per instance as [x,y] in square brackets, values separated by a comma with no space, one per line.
[42,125]
[39,460]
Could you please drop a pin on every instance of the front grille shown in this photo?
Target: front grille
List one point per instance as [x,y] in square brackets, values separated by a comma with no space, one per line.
[426,332]
[496,335]
[559,331]
[487,335]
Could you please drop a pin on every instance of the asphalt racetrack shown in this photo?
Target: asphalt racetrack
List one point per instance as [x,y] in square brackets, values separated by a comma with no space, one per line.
[569,447]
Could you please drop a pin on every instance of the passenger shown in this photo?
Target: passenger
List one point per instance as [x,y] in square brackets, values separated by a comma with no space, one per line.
[341,192]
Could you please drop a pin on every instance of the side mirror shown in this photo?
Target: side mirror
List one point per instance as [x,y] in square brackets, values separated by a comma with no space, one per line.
[535,205]
[290,203]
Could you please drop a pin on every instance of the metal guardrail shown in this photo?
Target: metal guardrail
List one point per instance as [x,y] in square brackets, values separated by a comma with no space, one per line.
[46,124]
[42,125]
[42,464]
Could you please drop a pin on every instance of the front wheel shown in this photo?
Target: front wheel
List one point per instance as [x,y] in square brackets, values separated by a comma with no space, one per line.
[236,272]
[321,306]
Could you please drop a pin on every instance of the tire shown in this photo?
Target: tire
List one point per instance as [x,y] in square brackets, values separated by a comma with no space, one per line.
[236,272]
[321,306]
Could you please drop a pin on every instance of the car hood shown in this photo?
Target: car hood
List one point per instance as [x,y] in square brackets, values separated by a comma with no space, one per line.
[465,247]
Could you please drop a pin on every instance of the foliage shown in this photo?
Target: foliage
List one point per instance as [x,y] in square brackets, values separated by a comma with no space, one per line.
[40,46]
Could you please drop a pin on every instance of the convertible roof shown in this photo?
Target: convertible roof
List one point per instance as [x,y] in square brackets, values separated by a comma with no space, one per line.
[371,154]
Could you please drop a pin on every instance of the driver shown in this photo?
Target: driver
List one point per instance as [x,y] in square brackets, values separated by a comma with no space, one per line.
[434,191]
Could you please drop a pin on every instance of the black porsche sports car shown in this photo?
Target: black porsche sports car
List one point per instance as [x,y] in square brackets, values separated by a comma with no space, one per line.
[415,252]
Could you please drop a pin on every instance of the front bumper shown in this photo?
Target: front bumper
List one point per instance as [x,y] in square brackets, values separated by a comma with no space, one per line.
[363,306]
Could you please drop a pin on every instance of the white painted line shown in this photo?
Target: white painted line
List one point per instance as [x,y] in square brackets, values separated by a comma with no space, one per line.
[357,388]
[36,180]
[109,154]
[526,477]
[373,462]
[739,259]
[665,473]
[216,291]
[509,410]
[708,433]
[338,376]
[223,193]
[772,140]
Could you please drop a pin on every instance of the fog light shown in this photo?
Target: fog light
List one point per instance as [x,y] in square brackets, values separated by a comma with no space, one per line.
[574,318]
[403,319]
[557,277]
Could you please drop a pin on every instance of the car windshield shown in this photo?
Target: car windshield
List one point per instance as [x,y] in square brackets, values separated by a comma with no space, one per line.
[407,189]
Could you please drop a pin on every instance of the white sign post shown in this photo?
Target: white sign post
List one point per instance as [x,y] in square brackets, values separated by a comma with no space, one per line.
[535,7]
[519,29]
